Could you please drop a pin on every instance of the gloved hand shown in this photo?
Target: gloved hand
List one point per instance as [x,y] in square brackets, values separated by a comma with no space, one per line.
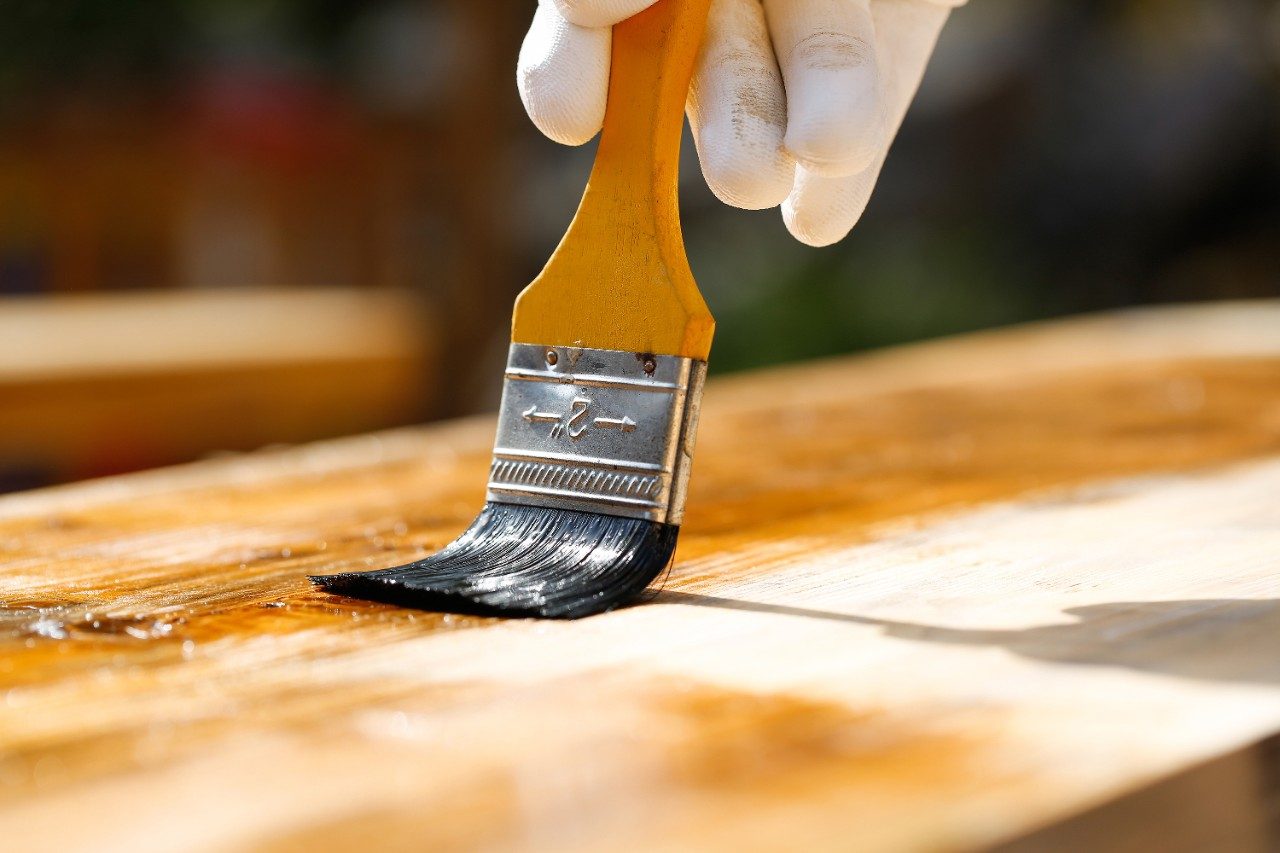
[808,130]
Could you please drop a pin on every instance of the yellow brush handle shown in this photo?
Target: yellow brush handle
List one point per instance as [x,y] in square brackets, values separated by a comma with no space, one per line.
[620,278]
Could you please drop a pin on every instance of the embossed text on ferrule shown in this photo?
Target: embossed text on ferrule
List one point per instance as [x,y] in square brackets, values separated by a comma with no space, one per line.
[594,430]
[573,423]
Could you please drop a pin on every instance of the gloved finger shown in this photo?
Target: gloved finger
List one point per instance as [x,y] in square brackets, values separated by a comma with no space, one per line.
[738,111]
[599,13]
[563,76]
[835,108]
[821,209]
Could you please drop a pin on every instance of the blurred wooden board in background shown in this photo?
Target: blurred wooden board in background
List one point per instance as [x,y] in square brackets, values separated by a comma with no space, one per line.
[1017,588]
[104,383]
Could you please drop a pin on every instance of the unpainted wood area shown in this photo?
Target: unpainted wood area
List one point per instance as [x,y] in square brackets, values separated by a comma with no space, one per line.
[973,592]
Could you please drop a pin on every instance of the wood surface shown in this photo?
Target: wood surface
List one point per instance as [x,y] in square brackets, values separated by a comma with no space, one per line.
[620,278]
[95,384]
[1018,588]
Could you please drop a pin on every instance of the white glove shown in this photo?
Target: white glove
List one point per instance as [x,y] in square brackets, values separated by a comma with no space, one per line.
[808,130]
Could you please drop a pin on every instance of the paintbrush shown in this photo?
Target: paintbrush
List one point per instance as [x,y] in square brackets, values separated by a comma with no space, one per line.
[604,376]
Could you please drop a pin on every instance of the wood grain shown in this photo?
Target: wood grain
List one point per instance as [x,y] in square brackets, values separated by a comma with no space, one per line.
[981,591]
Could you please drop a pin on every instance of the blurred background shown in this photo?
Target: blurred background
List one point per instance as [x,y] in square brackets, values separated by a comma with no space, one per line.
[226,224]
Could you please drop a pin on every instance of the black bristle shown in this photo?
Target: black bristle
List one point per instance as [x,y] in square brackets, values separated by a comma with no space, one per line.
[517,560]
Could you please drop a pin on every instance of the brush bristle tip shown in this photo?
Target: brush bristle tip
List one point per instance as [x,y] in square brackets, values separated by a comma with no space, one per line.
[518,560]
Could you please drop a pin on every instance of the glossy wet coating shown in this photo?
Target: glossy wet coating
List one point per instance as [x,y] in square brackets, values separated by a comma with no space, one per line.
[868,634]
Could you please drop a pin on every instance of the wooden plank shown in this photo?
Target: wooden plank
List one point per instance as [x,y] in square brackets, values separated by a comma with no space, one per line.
[100,383]
[1231,802]
[940,597]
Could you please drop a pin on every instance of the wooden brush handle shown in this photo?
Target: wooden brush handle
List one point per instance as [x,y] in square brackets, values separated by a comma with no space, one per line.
[620,278]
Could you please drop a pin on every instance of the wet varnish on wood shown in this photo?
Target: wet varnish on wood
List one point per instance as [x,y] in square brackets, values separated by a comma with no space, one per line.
[1018,588]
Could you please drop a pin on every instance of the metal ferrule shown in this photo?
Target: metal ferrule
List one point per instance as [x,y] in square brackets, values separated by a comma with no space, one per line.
[596,430]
